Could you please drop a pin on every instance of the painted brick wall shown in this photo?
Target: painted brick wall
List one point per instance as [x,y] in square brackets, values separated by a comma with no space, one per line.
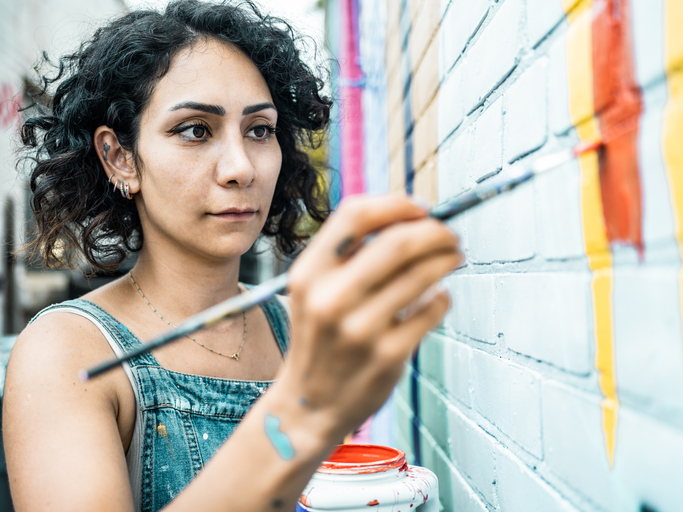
[556,380]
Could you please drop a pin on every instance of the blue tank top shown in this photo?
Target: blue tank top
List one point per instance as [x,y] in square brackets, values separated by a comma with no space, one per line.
[181,419]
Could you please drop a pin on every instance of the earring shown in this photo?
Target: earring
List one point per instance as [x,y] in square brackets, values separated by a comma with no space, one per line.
[115,185]
[121,188]
[127,192]
[110,177]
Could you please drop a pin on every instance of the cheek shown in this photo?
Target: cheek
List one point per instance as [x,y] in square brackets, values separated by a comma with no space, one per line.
[268,164]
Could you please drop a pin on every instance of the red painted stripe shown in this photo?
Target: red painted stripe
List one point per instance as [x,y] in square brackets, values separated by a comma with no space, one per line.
[618,105]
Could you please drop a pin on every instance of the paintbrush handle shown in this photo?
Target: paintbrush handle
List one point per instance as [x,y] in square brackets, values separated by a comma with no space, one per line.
[267,290]
[470,199]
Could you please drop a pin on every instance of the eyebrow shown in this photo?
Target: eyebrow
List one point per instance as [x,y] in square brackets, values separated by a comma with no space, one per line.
[202,107]
[257,108]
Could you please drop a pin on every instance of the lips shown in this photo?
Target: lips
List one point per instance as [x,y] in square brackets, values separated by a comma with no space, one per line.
[236,214]
[238,211]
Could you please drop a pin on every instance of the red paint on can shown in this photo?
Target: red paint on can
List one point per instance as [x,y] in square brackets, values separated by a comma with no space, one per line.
[363,458]
[618,106]
[373,503]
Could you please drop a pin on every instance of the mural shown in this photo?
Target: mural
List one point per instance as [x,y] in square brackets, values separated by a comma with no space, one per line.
[557,378]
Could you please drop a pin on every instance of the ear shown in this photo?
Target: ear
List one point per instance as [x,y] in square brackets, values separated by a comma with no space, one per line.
[119,164]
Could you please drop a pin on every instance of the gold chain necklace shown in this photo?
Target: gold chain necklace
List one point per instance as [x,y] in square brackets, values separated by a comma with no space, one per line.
[235,356]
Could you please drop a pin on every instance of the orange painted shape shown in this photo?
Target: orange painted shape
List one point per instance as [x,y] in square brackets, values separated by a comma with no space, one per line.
[618,104]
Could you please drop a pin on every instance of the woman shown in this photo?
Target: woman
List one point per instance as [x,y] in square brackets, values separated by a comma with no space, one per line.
[178,135]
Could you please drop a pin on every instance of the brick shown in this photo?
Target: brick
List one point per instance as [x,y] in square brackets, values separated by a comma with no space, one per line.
[488,142]
[522,490]
[425,183]
[472,306]
[457,379]
[454,492]
[658,219]
[648,333]
[451,112]
[461,22]
[495,54]
[558,214]
[428,451]
[425,135]
[397,170]
[460,495]
[573,443]
[547,316]
[526,112]
[502,230]
[508,395]
[425,25]
[471,451]
[396,132]
[432,360]
[558,88]
[541,17]
[403,385]
[648,19]
[433,412]
[455,157]
[426,81]
[403,418]
[649,459]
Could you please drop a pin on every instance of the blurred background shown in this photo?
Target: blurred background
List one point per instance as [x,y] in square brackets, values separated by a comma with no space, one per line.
[27,28]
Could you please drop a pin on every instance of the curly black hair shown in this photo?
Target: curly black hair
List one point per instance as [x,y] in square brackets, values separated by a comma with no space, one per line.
[109,81]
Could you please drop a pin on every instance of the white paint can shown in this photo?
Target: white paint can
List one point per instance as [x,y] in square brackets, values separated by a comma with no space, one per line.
[370,478]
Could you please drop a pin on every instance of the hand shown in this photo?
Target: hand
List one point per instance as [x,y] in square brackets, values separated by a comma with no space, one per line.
[348,343]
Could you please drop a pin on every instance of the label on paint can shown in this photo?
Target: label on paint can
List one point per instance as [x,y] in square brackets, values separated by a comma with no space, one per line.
[370,478]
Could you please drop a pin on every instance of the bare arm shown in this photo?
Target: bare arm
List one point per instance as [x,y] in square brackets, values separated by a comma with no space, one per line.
[347,353]
[61,437]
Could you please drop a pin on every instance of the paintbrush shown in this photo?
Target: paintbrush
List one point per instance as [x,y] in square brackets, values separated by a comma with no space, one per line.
[258,294]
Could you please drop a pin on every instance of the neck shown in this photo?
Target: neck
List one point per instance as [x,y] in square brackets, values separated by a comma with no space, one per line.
[181,286]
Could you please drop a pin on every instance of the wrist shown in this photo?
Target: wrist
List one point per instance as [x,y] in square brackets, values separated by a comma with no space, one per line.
[311,431]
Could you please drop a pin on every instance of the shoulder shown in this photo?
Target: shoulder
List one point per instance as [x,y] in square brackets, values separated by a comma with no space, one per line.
[52,349]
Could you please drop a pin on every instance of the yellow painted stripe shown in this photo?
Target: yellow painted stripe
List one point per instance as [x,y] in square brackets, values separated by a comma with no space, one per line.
[673,17]
[673,120]
[582,114]
[604,356]
[673,150]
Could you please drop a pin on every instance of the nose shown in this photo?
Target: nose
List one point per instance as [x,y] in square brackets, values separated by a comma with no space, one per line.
[234,167]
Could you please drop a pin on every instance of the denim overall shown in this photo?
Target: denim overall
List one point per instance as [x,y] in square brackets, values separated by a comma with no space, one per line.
[181,419]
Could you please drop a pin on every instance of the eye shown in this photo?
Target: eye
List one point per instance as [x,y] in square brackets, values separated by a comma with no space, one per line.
[193,132]
[261,132]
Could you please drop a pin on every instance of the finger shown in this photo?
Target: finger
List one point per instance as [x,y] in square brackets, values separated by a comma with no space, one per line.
[405,336]
[379,311]
[394,250]
[356,218]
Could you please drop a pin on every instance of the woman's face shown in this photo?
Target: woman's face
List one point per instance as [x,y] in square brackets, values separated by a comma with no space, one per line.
[210,155]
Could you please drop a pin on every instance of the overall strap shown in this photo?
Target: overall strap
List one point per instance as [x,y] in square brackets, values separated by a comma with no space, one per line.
[278,317]
[117,335]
